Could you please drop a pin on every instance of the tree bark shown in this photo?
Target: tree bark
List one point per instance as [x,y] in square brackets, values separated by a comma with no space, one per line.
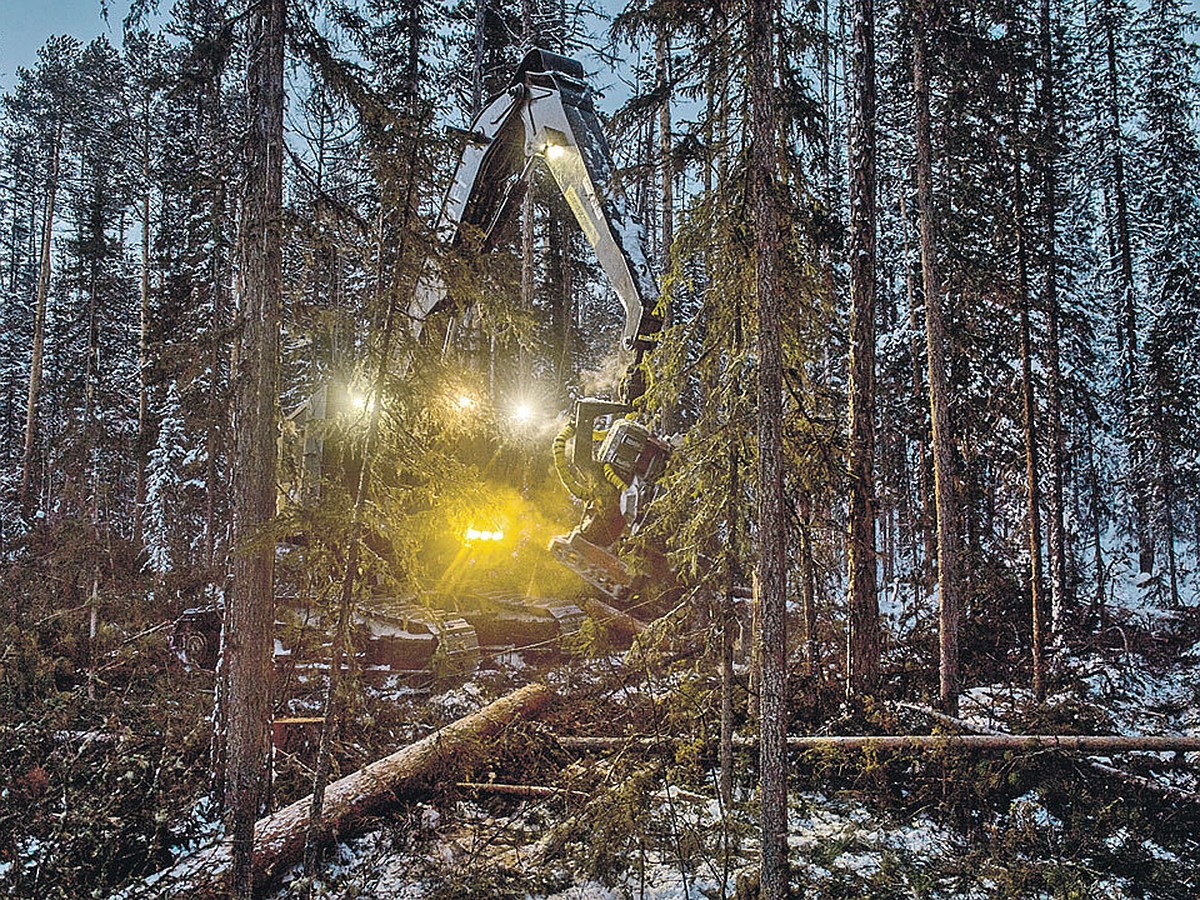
[251,607]
[924,513]
[27,501]
[949,542]
[862,656]
[772,513]
[352,803]
[728,626]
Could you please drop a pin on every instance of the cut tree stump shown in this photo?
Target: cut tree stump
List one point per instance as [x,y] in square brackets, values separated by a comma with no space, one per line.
[351,802]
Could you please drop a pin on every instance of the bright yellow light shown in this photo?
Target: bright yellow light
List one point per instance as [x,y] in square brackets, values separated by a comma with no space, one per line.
[464,402]
[360,402]
[554,151]
[475,534]
[523,412]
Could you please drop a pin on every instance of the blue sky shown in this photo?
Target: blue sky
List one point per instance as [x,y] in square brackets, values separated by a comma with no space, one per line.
[25,25]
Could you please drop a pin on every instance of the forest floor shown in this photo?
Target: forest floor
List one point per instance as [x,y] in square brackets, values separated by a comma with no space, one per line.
[96,793]
[924,825]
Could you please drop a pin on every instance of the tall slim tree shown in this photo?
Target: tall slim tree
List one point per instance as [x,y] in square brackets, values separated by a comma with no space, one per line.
[772,513]
[251,606]
[1049,139]
[862,658]
[53,89]
[949,541]
[1028,399]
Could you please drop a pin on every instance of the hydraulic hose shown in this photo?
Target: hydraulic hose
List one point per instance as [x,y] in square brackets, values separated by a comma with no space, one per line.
[566,472]
[611,476]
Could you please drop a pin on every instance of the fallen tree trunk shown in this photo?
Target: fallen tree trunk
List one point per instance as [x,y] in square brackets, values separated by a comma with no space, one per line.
[1085,743]
[524,791]
[610,615]
[442,757]
[1159,743]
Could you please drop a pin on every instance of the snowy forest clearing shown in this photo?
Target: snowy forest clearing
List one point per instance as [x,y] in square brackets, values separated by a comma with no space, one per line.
[806,395]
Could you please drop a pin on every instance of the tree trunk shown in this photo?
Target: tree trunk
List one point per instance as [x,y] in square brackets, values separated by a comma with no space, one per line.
[862,657]
[1097,548]
[1166,478]
[217,402]
[251,606]
[728,625]
[1059,601]
[1029,408]
[27,500]
[1127,342]
[662,49]
[924,513]
[395,265]
[353,803]
[808,588]
[772,513]
[948,539]
[143,332]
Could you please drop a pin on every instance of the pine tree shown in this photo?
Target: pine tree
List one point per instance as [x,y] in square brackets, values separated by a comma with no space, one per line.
[164,494]
[944,466]
[51,87]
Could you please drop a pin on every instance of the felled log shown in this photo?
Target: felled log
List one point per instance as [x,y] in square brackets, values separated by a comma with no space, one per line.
[524,791]
[351,802]
[610,615]
[1097,744]
[1082,743]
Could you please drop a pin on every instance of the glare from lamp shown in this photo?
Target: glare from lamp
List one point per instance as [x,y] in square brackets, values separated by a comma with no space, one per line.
[523,412]
[464,402]
[554,151]
[473,534]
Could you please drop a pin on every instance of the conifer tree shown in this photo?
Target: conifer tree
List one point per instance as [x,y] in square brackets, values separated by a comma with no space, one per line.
[1170,222]
[772,522]
[251,613]
[862,663]
[164,497]
[944,466]
[50,91]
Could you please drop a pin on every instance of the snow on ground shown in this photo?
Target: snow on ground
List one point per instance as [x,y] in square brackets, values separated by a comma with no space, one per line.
[840,846]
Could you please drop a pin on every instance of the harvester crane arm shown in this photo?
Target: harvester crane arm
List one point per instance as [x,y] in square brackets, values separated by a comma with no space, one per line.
[546,115]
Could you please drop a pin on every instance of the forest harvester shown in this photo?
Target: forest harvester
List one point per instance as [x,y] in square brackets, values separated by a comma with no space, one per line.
[604,456]
[546,115]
